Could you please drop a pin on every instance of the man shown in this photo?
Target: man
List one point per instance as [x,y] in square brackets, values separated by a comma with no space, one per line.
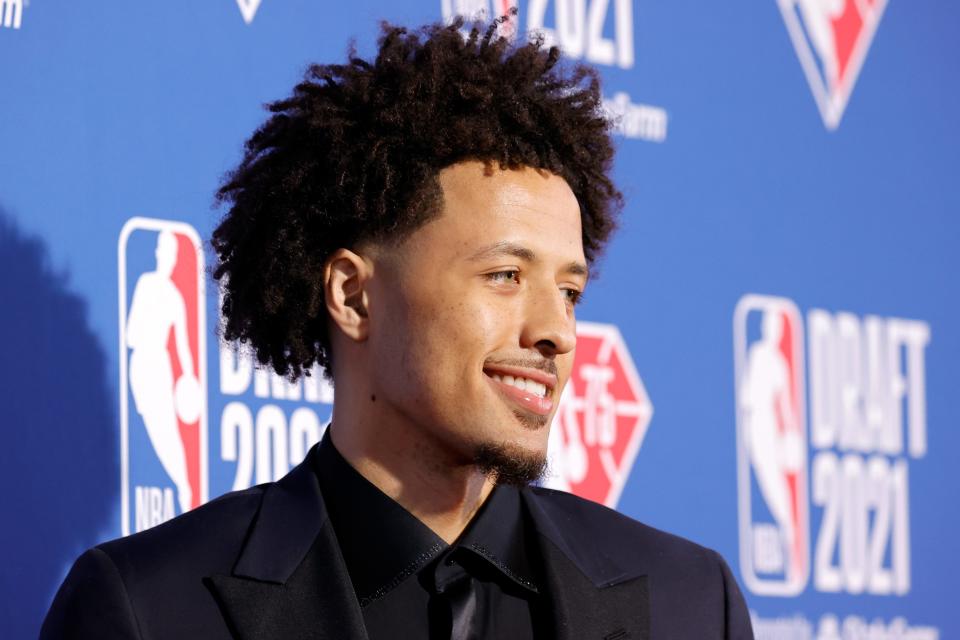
[421,225]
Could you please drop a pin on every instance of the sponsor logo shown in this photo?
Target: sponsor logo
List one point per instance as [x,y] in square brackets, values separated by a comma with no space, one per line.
[636,121]
[248,8]
[831,627]
[163,386]
[832,38]
[11,13]
[867,422]
[602,418]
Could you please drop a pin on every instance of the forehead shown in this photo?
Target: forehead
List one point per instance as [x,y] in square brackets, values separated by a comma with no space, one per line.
[529,206]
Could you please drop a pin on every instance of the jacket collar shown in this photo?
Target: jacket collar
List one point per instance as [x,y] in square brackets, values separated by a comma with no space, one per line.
[591,593]
[290,579]
[291,516]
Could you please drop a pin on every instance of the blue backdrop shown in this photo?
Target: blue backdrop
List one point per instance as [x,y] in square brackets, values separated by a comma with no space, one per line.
[780,304]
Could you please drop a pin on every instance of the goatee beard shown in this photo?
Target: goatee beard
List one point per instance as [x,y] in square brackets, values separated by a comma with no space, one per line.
[508,464]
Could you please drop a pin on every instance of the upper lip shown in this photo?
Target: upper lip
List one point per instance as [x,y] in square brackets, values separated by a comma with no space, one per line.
[536,375]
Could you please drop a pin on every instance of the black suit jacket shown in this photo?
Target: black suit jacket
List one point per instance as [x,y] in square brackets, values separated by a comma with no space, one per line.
[264,563]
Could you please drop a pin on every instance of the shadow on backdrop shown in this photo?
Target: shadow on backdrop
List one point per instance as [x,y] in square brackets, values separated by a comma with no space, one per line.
[58,462]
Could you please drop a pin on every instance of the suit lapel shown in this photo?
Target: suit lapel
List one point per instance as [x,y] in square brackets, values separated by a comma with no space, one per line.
[290,580]
[581,610]
[591,595]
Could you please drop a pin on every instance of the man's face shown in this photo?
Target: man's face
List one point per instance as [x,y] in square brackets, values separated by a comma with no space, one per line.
[473,302]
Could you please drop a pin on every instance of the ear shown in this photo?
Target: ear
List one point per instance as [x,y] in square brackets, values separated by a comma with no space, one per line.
[345,278]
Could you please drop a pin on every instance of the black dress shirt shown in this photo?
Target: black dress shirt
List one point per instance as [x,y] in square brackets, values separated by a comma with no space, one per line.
[411,584]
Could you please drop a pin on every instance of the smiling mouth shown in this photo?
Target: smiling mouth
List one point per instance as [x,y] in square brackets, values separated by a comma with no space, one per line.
[530,395]
[523,384]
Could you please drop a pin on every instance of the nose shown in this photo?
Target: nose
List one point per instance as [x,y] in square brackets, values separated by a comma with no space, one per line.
[549,327]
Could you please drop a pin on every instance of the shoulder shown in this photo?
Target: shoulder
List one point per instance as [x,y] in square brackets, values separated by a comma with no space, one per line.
[590,523]
[153,580]
[691,585]
[206,539]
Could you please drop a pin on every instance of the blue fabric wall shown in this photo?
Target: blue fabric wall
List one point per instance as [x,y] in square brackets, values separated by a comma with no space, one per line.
[840,214]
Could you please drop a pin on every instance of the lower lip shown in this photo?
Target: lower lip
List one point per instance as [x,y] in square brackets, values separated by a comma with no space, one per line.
[530,402]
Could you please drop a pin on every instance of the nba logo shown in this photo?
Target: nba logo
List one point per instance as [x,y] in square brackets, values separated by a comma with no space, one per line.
[771,446]
[482,11]
[831,38]
[163,385]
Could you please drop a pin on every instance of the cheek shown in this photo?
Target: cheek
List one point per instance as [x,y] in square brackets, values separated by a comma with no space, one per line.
[565,366]
[432,341]
[418,344]
[446,356]
[456,338]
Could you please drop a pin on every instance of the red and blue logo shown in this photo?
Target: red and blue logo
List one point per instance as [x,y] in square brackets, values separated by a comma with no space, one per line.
[602,419]
[867,421]
[771,445]
[163,386]
[832,38]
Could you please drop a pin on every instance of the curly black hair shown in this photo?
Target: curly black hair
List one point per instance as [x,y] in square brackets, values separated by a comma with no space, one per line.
[353,156]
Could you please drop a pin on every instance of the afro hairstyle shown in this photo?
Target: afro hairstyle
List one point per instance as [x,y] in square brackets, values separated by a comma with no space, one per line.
[353,156]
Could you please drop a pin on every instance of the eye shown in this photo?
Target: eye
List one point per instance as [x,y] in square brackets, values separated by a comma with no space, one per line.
[510,275]
[574,297]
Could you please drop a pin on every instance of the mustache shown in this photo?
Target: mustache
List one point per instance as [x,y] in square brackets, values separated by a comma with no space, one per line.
[543,364]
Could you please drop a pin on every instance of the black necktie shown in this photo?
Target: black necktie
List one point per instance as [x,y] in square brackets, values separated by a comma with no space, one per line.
[458,590]
[462,598]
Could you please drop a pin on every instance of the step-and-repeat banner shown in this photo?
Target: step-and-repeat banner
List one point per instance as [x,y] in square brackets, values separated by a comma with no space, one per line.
[766,365]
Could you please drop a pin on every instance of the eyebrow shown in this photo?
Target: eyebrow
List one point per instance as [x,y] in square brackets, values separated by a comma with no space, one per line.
[507,248]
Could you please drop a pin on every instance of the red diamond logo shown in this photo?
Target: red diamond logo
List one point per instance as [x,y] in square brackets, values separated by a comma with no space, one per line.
[832,38]
[602,418]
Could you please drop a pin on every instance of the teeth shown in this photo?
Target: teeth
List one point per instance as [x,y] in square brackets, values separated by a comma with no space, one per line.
[536,388]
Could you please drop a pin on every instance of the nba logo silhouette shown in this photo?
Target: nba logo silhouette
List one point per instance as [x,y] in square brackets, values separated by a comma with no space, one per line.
[831,38]
[771,446]
[483,11]
[163,388]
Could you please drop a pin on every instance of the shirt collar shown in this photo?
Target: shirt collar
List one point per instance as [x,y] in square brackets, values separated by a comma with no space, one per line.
[498,533]
[383,544]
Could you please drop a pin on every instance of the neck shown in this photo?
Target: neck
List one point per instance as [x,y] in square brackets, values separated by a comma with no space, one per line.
[441,492]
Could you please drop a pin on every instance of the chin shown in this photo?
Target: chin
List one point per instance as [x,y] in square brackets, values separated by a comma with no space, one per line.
[532,421]
[509,463]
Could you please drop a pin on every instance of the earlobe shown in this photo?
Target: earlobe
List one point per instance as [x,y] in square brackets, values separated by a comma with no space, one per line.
[344,279]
